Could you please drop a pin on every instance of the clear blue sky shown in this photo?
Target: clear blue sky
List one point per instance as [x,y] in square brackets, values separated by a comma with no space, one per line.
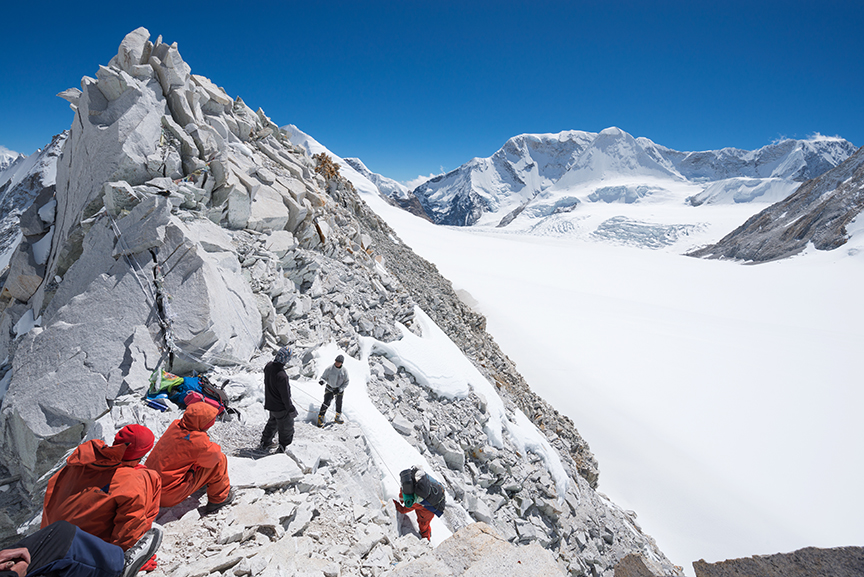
[413,87]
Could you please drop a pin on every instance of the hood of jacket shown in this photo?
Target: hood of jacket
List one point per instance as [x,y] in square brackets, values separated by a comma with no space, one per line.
[96,453]
[199,417]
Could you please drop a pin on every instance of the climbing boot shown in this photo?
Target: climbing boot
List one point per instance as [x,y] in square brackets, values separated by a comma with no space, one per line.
[141,552]
[320,420]
[265,447]
[211,507]
[338,418]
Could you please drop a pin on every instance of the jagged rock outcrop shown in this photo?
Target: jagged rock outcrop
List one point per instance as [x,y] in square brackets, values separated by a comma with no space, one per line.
[201,245]
[808,562]
[818,212]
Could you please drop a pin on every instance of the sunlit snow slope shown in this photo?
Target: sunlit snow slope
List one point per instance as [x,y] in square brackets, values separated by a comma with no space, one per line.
[721,400]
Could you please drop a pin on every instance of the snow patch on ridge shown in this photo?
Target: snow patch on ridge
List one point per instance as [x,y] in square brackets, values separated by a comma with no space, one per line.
[437,363]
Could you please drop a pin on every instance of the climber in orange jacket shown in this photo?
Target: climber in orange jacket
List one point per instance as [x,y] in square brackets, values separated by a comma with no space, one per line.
[105,491]
[186,460]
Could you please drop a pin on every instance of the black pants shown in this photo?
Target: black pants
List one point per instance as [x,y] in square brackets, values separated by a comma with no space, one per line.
[328,397]
[281,421]
[62,549]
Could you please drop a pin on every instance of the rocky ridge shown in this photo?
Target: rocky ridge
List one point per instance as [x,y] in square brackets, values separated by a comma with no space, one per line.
[23,181]
[394,192]
[189,233]
[837,562]
[818,213]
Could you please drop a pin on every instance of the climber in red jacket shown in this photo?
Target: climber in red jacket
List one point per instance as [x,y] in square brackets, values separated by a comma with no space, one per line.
[104,491]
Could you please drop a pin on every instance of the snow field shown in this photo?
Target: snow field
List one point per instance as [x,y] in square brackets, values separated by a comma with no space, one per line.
[719,398]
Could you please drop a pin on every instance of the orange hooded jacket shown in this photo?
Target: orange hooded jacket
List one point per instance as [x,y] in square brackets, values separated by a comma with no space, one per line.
[103,495]
[186,459]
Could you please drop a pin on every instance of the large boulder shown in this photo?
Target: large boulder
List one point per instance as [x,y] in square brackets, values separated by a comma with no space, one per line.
[103,332]
[478,550]
[267,211]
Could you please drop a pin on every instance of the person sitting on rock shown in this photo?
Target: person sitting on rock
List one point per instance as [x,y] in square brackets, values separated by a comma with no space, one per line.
[105,491]
[61,548]
[277,400]
[335,377]
[422,494]
[186,460]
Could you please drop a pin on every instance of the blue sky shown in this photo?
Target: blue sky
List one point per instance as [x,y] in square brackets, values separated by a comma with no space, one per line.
[416,87]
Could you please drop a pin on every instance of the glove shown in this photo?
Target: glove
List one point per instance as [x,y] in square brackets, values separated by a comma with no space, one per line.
[321,382]
[149,565]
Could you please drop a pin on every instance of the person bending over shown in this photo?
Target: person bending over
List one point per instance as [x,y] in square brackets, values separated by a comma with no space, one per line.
[422,494]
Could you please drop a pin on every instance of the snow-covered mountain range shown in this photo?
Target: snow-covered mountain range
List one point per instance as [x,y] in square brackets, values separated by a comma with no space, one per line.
[823,212]
[8,157]
[538,175]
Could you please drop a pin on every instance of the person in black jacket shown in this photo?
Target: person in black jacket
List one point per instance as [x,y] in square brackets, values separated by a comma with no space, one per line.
[277,400]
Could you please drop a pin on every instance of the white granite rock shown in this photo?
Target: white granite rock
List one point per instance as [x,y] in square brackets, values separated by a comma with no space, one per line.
[268,472]
[179,106]
[71,95]
[119,196]
[478,508]
[247,516]
[112,83]
[297,211]
[402,424]
[280,242]
[132,50]
[215,93]
[301,519]
[306,453]
[25,274]
[267,211]
[478,550]
[265,175]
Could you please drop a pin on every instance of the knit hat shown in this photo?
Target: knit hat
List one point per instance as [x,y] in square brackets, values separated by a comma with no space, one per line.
[282,356]
[340,359]
[138,440]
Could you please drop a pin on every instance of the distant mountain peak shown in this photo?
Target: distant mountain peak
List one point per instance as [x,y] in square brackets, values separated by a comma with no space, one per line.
[483,190]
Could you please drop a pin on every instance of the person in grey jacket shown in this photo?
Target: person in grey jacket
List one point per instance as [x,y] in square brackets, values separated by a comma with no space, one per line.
[335,379]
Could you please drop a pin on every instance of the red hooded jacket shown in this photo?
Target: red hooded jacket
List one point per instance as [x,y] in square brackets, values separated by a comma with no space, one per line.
[186,459]
[103,495]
